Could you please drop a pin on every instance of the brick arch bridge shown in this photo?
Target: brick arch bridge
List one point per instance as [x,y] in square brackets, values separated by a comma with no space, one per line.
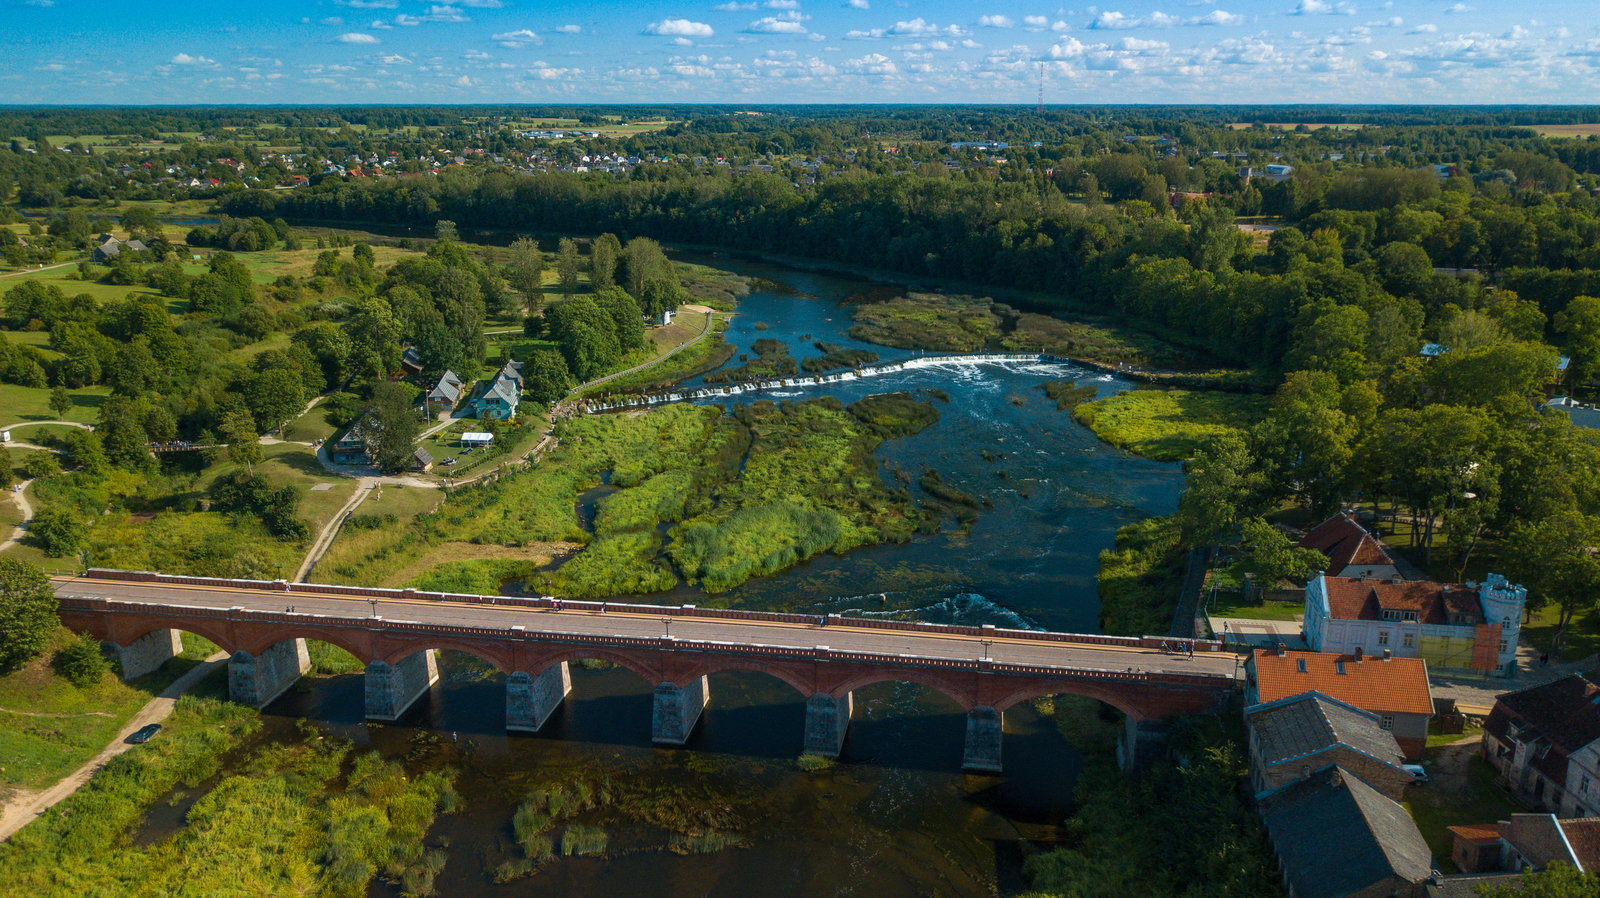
[396,633]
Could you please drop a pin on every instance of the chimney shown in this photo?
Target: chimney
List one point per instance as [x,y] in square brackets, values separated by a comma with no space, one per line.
[1363,576]
[1395,580]
[1358,654]
[1387,654]
[1282,647]
[1335,780]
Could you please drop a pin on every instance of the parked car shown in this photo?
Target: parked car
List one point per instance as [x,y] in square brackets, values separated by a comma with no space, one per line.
[143,734]
[448,461]
[1418,775]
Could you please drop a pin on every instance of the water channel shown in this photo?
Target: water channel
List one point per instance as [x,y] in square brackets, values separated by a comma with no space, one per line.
[896,818]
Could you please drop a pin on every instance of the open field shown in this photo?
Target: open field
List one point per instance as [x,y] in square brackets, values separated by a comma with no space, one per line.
[1169,425]
[1584,130]
[21,404]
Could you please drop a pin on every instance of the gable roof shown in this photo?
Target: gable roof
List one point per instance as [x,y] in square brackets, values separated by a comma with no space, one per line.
[1382,686]
[1352,598]
[1583,836]
[503,389]
[1335,835]
[421,456]
[448,387]
[1345,543]
[1539,838]
[1310,723]
[1566,711]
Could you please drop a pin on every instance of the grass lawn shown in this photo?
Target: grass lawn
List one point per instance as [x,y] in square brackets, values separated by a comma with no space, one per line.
[287,464]
[1472,731]
[1169,425]
[310,427]
[22,404]
[1229,604]
[1477,799]
[1582,638]
[48,726]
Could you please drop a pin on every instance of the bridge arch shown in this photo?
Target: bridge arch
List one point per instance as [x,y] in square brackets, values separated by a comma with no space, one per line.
[1111,696]
[194,626]
[492,654]
[651,675]
[261,640]
[802,685]
[929,678]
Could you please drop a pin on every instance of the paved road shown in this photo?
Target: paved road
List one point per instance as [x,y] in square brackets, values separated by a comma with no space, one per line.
[24,807]
[621,623]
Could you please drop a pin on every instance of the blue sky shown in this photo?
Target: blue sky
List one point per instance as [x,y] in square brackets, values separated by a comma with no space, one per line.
[800,51]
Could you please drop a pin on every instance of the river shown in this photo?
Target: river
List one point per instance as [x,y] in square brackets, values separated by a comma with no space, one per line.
[896,818]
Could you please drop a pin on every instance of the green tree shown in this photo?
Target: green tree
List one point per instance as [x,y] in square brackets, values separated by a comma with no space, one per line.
[604,255]
[362,253]
[1306,441]
[1222,489]
[239,430]
[1579,324]
[27,613]
[1275,556]
[545,377]
[585,335]
[87,450]
[627,320]
[1558,880]
[567,266]
[445,231]
[374,334]
[41,464]
[1554,558]
[80,661]
[396,421]
[60,401]
[8,474]
[57,531]
[274,397]
[526,272]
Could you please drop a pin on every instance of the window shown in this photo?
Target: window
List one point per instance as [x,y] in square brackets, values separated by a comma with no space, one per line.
[1391,615]
[1383,637]
[1584,786]
[1387,722]
[1338,666]
[1502,646]
[1406,639]
[1300,664]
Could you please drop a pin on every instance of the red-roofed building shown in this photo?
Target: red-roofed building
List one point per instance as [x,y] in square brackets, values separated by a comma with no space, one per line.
[1527,841]
[1395,690]
[1350,549]
[1545,741]
[1471,627]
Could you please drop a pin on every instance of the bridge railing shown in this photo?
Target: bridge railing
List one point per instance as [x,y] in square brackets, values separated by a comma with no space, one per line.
[980,632]
[521,633]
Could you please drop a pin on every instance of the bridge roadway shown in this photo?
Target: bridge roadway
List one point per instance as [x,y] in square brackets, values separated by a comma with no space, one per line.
[395,632]
[584,619]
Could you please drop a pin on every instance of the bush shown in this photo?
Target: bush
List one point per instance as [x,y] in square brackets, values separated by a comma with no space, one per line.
[41,464]
[27,612]
[80,661]
[57,531]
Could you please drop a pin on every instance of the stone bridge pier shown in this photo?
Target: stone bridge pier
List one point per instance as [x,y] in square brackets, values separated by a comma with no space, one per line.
[677,710]
[256,680]
[827,720]
[149,652]
[530,700]
[391,689]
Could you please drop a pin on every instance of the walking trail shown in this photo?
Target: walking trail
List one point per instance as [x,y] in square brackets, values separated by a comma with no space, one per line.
[364,488]
[25,807]
[21,530]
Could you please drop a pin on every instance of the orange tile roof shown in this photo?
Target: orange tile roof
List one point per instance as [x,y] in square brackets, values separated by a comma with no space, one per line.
[1395,686]
[1481,833]
[1351,598]
[1345,543]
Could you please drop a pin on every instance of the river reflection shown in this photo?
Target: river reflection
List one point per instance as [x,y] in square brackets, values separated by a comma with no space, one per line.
[896,817]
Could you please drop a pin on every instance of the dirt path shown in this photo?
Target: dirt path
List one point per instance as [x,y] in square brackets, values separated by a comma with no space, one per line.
[706,329]
[364,488]
[12,274]
[20,496]
[24,807]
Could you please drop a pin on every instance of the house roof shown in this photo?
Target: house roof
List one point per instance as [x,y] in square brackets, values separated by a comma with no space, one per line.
[421,456]
[1479,833]
[1345,543]
[449,387]
[1566,711]
[1335,835]
[1352,598]
[503,389]
[1469,885]
[1310,723]
[1583,835]
[1392,686]
[1537,837]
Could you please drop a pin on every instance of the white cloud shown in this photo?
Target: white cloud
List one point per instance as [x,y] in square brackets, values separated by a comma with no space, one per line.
[481,4]
[683,42]
[996,21]
[919,28]
[356,37]
[876,34]
[368,4]
[444,14]
[518,39]
[186,59]
[476,54]
[1218,17]
[782,4]
[408,21]
[679,28]
[463,81]
[49,66]
[1118,21]
[331,20]
[971,44]
[394,59]
[734,7]
[871,64]
[1459,7]
[570,29]
[1424,29]
[44,4]
[1036,23]
[859,4]
[786,23]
